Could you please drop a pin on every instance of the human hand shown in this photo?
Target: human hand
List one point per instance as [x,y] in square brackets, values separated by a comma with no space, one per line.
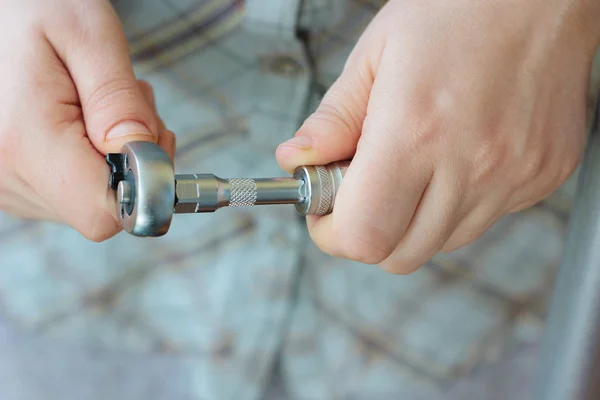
[69,96]
[455,113]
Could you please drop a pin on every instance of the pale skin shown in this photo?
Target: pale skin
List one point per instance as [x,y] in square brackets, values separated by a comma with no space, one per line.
[67,84]
[453,113]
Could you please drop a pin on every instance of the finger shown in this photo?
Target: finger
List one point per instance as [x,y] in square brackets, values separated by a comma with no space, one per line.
[472,227]
[398,154]
[167,141]
[371,214]
[97,56]
[535,190]
[166,138]
[27,208]
[332,132]
[148,93]
[436,217]
[21,199]
[74,185]
[388,175]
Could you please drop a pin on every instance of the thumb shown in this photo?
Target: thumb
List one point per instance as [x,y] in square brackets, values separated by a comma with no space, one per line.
[114,107]
[331,133]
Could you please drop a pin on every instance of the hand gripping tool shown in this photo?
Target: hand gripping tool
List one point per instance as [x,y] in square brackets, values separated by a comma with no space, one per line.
[149,192]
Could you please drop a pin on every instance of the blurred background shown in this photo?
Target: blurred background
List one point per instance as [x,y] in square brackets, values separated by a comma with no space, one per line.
[239,304]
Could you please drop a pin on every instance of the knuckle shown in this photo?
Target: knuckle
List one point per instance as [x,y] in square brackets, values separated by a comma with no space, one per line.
[532,166]
[115,101]
[458,242]
[426,130]
[560,173]
[338,116]
[568,166]
[365,248]
[488,157]
[110,93]
[412,254]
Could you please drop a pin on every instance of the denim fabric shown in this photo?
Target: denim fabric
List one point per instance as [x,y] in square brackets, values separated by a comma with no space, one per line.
[240,304]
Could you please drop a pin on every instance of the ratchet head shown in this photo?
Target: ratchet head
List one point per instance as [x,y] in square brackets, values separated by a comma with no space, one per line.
[144,178]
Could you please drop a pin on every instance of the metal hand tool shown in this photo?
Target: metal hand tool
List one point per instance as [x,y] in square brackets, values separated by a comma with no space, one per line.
[149,193]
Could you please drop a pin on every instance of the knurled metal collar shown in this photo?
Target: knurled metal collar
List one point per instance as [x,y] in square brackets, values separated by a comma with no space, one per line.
[320,187]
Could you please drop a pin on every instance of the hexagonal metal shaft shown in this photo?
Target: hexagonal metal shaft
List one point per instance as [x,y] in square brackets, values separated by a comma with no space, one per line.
[312,190]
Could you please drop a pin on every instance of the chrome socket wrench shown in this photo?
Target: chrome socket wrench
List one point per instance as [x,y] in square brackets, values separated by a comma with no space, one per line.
[148,191]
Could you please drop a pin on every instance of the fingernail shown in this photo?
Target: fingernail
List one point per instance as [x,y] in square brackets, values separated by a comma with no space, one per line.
[301,142]
[127,128]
